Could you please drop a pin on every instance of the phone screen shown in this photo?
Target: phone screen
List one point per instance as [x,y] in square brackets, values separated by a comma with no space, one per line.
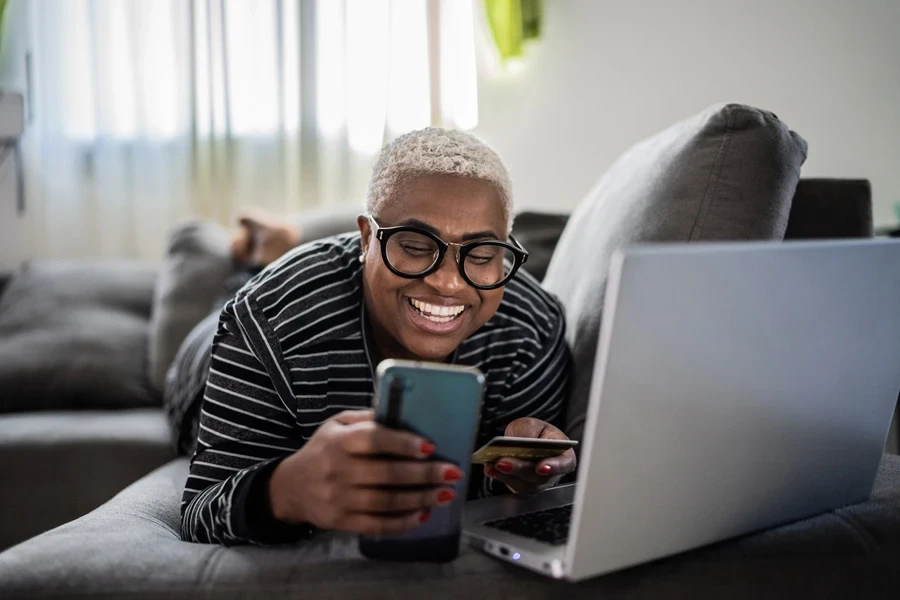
[442,404]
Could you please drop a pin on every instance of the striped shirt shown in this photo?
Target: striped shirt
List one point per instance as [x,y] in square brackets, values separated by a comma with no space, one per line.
[292,350]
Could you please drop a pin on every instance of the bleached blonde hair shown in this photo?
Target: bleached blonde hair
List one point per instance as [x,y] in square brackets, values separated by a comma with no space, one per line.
[435,151]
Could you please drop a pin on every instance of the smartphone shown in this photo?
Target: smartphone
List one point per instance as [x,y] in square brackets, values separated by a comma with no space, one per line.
[534,449]
[441,403]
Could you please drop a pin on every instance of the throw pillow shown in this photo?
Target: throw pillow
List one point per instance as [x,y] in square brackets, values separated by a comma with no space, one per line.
[193,275]
[728,173]
[74,335]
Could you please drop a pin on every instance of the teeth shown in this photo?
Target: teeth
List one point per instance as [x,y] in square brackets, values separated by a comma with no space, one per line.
[438,314]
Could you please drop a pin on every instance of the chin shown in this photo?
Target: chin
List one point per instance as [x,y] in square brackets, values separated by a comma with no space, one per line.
[430,351]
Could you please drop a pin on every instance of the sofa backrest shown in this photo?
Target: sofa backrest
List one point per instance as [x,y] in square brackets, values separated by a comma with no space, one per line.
[831,208]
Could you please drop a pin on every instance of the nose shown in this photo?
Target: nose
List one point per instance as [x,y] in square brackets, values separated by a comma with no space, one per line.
[446,279]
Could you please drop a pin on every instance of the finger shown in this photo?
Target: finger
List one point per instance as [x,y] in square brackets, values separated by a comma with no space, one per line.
[367,438]
[525,427]
[367,524]
[515,485]
[550,432]
[380,500]
[520,469]
[558,465]
[349,417]
[375,472]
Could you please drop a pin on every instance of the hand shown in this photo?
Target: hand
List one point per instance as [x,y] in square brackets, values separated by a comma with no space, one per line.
[526,477]
[338,479]
[262,237]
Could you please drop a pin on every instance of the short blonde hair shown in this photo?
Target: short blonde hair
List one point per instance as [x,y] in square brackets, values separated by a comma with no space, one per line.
[440,152]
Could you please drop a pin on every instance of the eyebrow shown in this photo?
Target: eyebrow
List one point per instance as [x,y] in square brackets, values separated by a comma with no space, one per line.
[478,235]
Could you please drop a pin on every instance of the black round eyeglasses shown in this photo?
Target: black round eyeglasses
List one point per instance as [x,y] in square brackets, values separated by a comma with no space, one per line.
[414,253]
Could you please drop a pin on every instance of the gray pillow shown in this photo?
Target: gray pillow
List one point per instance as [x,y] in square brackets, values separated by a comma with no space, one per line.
[74,335]
[196,267]
[728,173]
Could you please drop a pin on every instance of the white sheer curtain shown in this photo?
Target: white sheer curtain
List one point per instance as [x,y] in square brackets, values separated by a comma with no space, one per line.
[148,111]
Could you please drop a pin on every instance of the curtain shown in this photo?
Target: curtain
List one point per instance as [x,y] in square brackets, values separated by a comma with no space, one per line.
[145,112]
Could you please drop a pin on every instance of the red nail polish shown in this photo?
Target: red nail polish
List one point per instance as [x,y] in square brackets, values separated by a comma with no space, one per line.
[452,474]
[491,472]
[424,516]
[427,448]
[446,496]
[504,467]
[545,469]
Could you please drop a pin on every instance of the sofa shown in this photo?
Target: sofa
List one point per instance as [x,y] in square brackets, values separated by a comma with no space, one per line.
[730,172]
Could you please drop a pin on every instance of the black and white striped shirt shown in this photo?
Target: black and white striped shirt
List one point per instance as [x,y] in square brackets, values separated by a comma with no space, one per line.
[292,350]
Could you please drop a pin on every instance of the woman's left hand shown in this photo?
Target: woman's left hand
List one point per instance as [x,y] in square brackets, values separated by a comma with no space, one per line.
[527,477]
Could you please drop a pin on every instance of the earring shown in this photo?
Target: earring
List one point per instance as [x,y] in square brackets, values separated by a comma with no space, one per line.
[362,258]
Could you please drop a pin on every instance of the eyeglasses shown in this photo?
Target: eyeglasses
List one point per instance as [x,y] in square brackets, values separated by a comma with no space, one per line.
[414,253]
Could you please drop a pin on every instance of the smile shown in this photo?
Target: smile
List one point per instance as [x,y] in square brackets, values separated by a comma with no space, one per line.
[435,313]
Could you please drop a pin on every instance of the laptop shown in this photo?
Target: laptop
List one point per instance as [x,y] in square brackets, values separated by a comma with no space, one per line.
[736,387]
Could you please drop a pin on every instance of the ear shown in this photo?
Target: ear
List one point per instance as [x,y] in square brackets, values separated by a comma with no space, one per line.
[365,232]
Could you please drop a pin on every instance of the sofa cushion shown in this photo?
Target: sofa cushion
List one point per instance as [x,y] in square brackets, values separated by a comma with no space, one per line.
[539,232]
[726,174]
[192,276]
[74,335]
[58,466]
[130,548]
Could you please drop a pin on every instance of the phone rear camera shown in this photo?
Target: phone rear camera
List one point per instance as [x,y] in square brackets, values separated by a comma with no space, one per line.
[504,550]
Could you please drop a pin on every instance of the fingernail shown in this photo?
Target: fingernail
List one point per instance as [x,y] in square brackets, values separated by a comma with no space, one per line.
[452,474]
[504,467]
[545,469]
[491,472]
[446,496]
[427,448]
[424,516]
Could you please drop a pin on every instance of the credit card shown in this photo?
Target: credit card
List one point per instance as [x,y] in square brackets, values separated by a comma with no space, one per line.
[533,449]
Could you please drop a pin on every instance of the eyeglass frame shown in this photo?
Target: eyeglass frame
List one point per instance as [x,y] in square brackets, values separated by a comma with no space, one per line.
[383,234]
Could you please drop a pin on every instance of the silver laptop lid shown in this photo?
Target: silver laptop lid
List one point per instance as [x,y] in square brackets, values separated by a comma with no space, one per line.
[736,387]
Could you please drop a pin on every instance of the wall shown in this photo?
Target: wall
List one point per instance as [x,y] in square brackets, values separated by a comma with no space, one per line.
[608,73]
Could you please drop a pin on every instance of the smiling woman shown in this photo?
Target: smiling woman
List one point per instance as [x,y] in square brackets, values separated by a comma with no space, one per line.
[287,445]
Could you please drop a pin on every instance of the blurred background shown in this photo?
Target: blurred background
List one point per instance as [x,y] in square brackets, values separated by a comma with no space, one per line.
[120,118]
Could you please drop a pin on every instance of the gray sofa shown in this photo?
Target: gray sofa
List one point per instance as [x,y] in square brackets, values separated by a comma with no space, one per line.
[130,549]
[732,169]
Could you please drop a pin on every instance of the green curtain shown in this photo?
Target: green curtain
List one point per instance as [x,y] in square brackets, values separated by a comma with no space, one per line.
[512,23]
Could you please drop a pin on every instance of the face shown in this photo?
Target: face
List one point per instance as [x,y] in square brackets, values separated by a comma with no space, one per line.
[460,210]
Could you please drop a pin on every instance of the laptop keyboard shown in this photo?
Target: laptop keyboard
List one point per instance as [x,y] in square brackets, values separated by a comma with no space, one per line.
[550,525]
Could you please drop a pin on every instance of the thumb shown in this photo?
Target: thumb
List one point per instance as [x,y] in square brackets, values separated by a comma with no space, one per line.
[525,427]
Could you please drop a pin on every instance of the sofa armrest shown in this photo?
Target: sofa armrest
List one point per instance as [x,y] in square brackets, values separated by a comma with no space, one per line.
[57,466]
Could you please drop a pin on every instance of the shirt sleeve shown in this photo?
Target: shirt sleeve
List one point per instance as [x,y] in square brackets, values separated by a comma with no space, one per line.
[538,386]
[246,429]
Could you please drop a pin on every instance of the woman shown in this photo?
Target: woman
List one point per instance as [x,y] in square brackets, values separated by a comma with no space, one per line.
[287,444]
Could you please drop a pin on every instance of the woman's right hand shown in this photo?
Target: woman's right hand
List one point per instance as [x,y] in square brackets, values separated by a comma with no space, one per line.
[340,480]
